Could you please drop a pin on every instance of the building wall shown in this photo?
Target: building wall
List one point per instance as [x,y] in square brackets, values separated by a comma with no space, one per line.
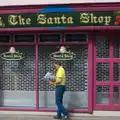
[41,2]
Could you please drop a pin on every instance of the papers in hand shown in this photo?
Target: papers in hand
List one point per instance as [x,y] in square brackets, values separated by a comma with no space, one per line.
[49,77]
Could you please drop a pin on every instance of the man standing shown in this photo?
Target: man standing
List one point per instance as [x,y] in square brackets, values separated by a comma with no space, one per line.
[60,89]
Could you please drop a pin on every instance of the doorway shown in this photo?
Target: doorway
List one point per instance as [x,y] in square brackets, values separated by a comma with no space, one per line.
[107,71]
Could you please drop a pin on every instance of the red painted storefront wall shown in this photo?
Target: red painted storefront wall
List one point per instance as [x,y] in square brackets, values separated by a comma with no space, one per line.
[91,50]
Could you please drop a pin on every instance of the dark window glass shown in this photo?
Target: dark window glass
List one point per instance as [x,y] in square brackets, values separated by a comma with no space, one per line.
[24,38]
[49,38]
[4,38]
[76,37]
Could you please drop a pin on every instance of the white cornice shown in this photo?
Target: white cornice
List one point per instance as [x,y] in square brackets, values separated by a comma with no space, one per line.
[43,2]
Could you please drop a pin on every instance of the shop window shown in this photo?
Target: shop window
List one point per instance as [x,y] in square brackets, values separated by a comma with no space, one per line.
[116,72]
[17,79]
[102,72]
[76,37]
[102,94]
[116,95]
[49,38]
[24,38]
[77,78]
[116,48]
[102,47]
[4,38]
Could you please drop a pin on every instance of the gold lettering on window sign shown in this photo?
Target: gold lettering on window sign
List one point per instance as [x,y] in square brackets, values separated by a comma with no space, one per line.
[18,20]
[43,19]
[90,18]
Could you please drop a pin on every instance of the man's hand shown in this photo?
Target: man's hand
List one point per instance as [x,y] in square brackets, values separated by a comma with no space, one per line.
[51,83]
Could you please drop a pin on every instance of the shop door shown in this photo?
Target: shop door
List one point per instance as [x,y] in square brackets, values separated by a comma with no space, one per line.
[107,72]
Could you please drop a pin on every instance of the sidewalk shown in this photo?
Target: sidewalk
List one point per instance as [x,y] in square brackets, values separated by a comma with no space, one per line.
[39,117]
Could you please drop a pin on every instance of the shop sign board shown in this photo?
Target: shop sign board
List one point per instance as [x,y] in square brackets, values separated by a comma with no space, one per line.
[60,19]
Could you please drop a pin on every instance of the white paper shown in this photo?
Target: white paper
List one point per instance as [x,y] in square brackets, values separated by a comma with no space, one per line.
[49,77]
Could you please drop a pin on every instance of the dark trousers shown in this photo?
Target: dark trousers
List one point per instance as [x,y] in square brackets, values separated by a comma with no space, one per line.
[59,100]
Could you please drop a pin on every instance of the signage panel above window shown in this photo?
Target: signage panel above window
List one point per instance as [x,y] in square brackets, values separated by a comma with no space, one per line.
[56,20]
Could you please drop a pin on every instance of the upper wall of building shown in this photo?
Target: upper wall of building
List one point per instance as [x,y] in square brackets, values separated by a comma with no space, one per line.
[43,2]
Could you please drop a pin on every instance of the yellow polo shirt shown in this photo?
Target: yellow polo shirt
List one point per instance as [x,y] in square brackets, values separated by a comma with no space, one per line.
[61,74]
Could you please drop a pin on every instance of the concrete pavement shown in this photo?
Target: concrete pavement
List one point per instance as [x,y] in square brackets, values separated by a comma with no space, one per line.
[49,117]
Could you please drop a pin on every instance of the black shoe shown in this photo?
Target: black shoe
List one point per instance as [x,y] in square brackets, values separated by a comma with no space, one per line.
[57,117]
[65,118]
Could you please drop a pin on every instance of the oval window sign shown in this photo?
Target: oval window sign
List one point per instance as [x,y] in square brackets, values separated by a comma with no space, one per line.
[12,55]
[62,54]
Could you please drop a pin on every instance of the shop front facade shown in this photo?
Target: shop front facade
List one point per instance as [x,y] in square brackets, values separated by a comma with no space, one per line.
[90,31]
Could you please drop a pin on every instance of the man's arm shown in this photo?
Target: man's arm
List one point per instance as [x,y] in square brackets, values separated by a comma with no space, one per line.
[59,78]
[58,81]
